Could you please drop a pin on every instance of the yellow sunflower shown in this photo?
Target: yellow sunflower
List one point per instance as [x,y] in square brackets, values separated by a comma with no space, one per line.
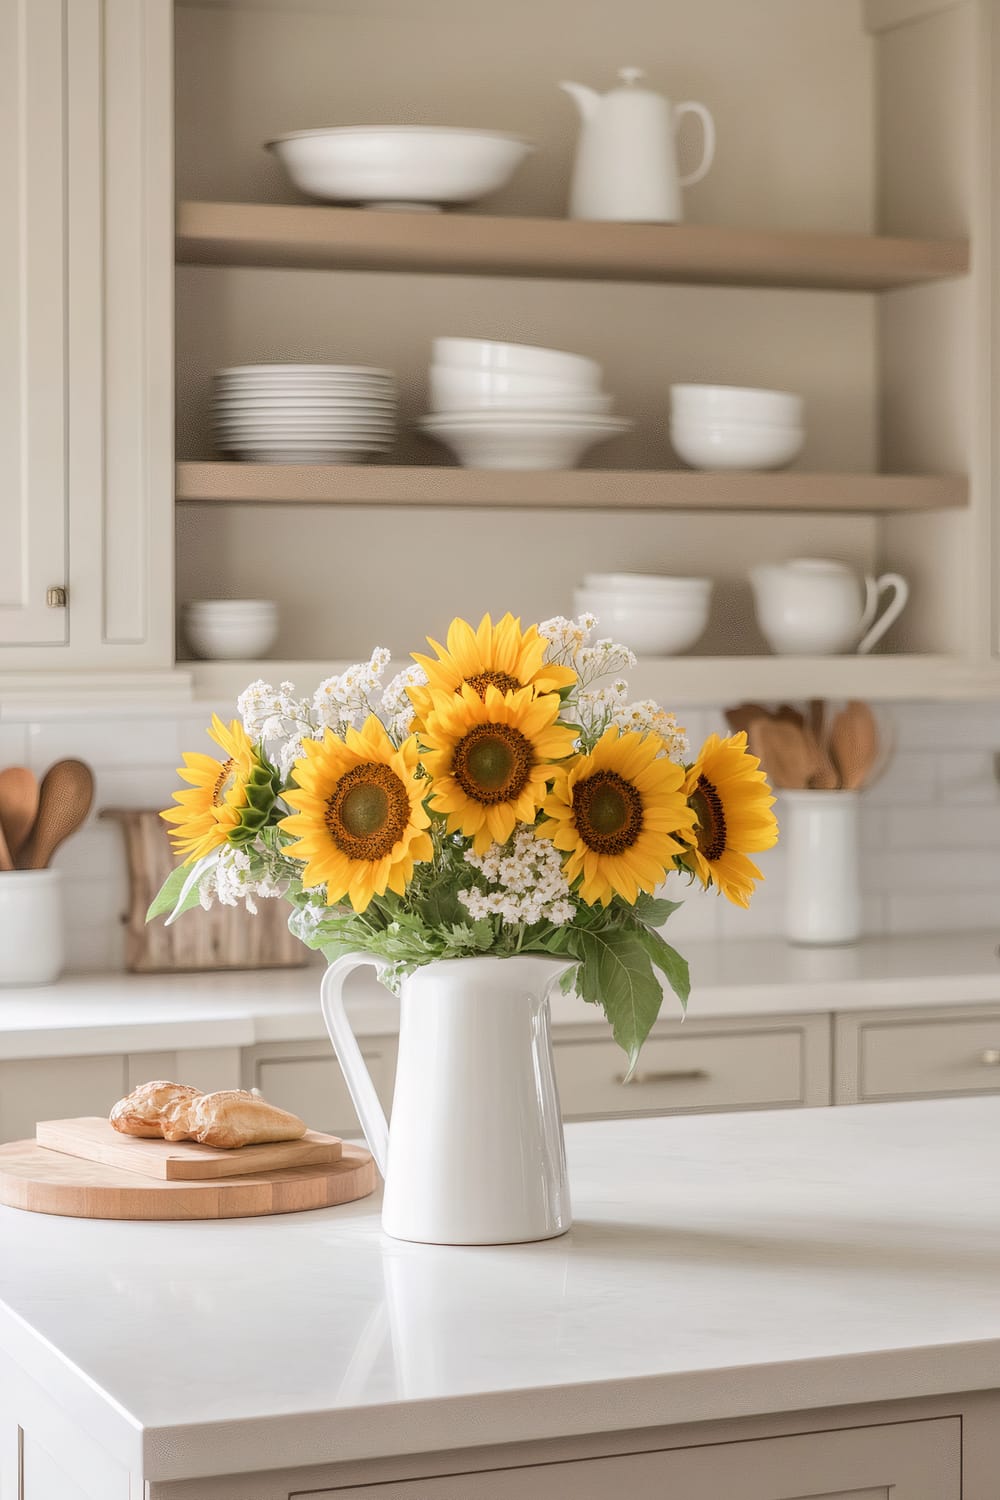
[499,656]
[228,800]
[490,758]
[732,804]
[360,822]
[614,812]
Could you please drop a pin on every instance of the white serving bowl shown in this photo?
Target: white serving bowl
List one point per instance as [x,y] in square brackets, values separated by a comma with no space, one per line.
[230,629]
[654,585]
[399,166]
[735,445]
[735,403]
[490,355]
[474,388]
[650,629]
[520,440]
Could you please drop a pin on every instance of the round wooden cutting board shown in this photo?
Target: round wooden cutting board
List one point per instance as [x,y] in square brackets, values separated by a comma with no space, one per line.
[48,1182]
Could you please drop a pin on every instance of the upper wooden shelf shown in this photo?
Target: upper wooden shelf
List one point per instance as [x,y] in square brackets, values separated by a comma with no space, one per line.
[267,234]
[577,489]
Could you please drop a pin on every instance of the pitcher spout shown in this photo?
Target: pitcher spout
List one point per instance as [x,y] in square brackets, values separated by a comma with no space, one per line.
[587,99]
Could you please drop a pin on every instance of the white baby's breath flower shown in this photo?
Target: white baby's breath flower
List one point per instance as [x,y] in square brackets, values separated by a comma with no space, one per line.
[238,876]
[647,717]
[396,709]
[528,880]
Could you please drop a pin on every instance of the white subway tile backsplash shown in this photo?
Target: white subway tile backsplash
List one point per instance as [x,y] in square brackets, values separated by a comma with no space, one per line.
[930,828]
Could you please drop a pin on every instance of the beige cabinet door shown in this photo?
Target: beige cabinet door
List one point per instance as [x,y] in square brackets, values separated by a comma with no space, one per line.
[305,1077]
[899,1461]
[918,1054]
[57,1088]
[33,346]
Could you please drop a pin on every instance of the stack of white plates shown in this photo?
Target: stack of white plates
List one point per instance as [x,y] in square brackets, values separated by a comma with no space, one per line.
[515,406]
[300,414]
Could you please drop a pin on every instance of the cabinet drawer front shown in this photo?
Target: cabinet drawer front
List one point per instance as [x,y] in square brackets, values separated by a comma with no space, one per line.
[314,1089]
[899,1461]
[56,1088]
[910,1059]
[726,1070]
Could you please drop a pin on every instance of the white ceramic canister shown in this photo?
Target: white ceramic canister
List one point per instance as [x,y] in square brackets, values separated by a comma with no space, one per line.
[31,926]
[819,833]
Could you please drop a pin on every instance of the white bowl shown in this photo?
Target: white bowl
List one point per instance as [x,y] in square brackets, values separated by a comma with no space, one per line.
[224,633]
[454,389]
[490,355]
[521,440]
[736,403]
[399,166]
[735,445]
[650,629]
[657,585]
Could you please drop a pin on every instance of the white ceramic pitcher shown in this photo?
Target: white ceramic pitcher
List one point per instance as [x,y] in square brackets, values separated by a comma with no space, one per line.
[814,606]
[475,1155]
[626,157]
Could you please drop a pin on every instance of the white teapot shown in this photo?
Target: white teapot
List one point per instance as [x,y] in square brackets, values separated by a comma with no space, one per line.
[815,607]
[626,157]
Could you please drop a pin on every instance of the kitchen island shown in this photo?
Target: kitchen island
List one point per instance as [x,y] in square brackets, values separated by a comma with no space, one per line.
[747,1306]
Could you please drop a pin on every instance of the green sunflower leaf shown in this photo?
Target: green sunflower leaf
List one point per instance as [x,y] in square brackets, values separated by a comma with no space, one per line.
[651,911]
[671,965]
[615,973]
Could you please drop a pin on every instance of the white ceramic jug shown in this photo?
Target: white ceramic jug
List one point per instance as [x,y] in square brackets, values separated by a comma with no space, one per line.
[816,607]
[626,157]
[475,1155]
[819,833]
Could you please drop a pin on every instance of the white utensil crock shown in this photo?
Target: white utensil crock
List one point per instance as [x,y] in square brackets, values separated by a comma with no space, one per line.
[819,832]
[31,926]
[475,1155]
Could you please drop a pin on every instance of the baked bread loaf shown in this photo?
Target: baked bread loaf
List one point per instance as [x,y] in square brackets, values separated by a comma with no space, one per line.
[229,1118]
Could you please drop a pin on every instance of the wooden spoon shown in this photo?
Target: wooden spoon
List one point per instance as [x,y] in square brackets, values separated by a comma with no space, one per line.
[783,752]
[744,714]
[64,799]
[855,744]
[18,806]
[824,777]
[6,860]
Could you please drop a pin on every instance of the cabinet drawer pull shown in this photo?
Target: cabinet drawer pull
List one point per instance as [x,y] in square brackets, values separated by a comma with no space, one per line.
[991,1057]
[677,1075]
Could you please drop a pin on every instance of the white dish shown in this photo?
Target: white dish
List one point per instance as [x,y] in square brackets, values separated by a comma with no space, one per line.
[650,629]
[491,355]
[737,403]
[268,455]
[406,166]
[300,421]
[556,406]
[642,586]
[282,400]
[252,371]
[731,445]
[224,634]
[504,440]
[474,386]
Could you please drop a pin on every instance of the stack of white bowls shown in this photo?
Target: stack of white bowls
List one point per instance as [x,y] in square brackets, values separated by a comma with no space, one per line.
[515,406]
[301,414]
[230,629]
[655,615]
[735,427]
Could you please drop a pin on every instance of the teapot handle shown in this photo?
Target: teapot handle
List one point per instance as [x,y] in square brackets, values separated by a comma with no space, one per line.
[356,1075]
[874,589]
[692,107]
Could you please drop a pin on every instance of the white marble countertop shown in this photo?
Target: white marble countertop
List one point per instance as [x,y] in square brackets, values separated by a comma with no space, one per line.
[719,1266]
[99,1013]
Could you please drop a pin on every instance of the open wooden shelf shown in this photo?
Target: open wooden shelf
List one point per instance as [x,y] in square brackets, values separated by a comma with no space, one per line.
[315,237]
[577,489]
[684,680]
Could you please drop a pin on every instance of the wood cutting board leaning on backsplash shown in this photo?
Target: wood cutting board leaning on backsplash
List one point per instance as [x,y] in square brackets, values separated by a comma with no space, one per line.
[227,937]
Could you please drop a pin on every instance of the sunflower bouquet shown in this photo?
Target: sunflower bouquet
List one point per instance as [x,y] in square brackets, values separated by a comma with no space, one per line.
[500,797]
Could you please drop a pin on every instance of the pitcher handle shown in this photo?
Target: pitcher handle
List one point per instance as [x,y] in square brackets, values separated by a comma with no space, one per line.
[892,611]
[359,1083]
[692,107]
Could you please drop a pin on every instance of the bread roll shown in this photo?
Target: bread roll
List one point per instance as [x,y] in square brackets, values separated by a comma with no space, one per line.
[229,1118]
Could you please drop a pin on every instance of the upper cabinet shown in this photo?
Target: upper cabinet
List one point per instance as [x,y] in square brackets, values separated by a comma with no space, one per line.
[86,337]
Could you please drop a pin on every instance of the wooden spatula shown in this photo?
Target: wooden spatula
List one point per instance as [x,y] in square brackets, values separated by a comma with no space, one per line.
[64,799]
[18,807]
[854,741]
[744,714]
[783,752]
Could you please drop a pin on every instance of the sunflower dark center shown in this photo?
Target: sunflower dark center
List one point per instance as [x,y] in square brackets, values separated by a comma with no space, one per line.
[607,810]
[367,811]
[492,763]
[223,782]
[502,680]
[710,814]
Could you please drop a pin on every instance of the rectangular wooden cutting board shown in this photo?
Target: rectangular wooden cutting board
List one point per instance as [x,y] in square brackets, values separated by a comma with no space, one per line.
[95,1139]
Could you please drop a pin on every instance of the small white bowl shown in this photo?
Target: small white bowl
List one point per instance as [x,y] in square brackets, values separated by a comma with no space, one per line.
[480,387]
[653,584]
[525,359]
[650,629]
[399,166]
[735,403]
[521,440]
[735,445]
[221,633]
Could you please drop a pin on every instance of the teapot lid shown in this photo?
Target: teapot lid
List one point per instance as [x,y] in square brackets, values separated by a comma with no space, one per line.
[817,565]
[631,75]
